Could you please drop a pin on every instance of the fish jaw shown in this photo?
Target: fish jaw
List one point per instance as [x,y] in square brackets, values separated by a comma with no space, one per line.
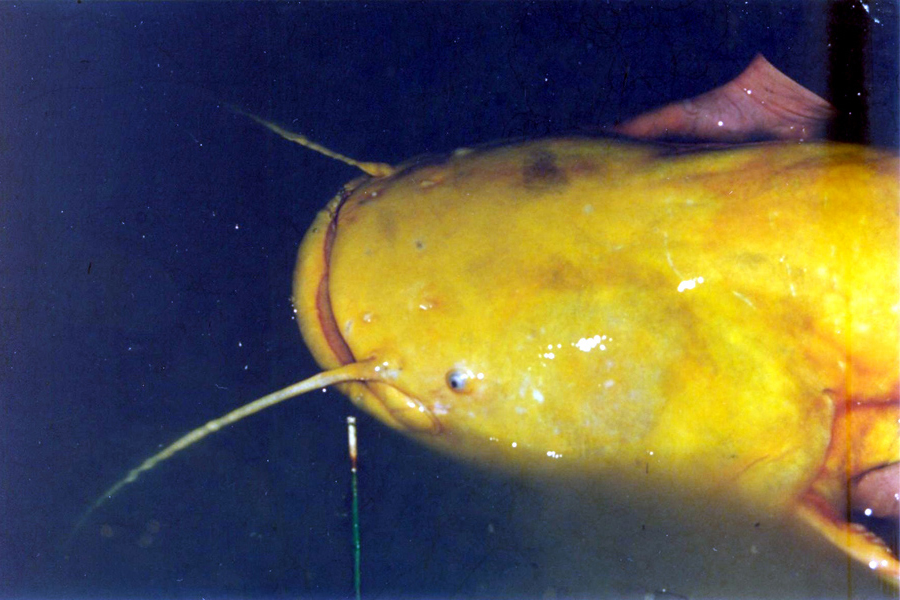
[310,298]
[318,326]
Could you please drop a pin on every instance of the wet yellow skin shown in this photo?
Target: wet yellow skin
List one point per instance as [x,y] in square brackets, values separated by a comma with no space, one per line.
[711,321]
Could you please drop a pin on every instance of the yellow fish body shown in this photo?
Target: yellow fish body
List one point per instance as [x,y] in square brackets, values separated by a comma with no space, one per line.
[710,323]
[721,321]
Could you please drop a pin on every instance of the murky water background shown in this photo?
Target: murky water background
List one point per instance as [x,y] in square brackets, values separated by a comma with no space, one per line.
[147,239]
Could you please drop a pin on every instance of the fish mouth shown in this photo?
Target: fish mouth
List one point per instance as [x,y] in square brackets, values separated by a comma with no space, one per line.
[382,397]
[327,322]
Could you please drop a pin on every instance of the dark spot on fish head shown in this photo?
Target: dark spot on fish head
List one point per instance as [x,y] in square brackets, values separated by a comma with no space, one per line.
[541,170]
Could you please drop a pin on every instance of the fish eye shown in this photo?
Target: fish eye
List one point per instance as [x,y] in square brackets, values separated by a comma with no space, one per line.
[459,380]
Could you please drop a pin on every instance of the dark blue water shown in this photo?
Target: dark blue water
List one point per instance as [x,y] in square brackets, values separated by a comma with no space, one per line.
[147,240]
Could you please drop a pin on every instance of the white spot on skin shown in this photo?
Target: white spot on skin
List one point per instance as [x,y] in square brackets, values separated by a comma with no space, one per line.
[388,373]
[588,344]
[537,395]
[689,284]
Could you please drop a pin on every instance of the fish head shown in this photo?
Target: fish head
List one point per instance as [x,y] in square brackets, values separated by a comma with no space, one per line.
[490,342]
